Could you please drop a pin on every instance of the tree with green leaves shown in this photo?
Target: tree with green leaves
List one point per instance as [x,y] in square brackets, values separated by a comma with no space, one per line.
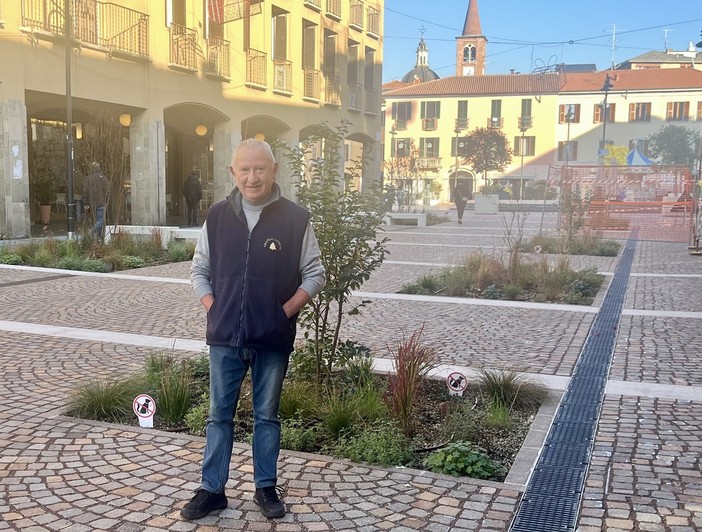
[673,144]
[487,150]
[346,224]
[402,172]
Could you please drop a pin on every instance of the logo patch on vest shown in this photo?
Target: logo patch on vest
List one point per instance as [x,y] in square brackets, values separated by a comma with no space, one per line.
[273,244]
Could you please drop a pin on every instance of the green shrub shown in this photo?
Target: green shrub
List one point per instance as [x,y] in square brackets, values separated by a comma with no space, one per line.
[196,418]
[298,399]
[339,415]
[70,262]
[11,258]
[381,442]
[94,265]
[492,292]
[297,435]
[427,285]
[463,459]
[499,417]
[511,390]
[606,248]
[511,291]
[179,251]
[105,399]
[174,396]
[42,258]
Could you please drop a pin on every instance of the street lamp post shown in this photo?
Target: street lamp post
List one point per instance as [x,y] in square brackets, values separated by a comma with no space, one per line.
[524,125]
[607,85]
[70,203]
[457,130]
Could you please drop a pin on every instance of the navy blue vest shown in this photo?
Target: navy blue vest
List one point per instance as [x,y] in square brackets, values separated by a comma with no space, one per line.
[252,275]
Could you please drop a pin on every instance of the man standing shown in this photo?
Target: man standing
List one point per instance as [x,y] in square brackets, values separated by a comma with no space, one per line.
[192,190]
[256,264]
[95,191]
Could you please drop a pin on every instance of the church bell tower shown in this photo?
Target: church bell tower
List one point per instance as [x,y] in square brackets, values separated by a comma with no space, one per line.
[470,47]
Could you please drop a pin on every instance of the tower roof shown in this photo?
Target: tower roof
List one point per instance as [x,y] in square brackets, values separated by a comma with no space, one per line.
[421,71]
[472,24]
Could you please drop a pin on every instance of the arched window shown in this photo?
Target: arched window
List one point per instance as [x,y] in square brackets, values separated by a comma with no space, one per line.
[469,53]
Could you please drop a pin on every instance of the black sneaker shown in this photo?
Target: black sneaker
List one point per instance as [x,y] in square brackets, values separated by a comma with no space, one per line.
[269,501]
[204,503]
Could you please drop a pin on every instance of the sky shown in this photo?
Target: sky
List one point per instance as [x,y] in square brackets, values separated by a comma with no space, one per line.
[524,34]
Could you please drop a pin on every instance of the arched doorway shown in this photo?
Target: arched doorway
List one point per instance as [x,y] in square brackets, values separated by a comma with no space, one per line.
[190,146]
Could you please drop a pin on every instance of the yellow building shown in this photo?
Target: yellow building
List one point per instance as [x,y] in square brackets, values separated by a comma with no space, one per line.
[549,118]
[187,80]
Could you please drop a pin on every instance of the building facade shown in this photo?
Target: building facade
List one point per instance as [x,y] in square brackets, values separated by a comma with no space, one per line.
[186,80]
[549,118]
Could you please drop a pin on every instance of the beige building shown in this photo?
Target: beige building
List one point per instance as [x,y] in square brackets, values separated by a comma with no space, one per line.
[549,118]
[187,80]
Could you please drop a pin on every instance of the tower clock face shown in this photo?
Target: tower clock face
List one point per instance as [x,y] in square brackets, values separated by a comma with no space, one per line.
[468,70]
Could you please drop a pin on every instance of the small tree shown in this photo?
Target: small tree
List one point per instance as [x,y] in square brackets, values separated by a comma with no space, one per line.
[402,174]
[674,144]
[103,142]
[345,223]
[488,150]
[616,155]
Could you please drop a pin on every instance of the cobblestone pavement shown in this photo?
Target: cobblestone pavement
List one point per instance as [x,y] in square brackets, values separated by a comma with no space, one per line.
[60,329]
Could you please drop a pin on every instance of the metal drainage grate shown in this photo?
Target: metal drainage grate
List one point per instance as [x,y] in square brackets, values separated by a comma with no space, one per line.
[552,497]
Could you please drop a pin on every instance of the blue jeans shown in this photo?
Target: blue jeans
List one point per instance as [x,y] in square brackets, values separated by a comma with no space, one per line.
[99,226]
[228,366]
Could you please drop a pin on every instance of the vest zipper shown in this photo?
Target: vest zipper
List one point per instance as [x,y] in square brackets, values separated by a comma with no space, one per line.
[244,286]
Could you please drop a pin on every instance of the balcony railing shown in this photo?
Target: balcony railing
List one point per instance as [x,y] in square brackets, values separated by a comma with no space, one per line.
[256,68]
[495,122]
[218,56]
[372,101]
[429,124]
[314,4]
[334,9]
[373,20]
[117,28]
[400,124]
[312,84]
[462,123]
[332,90]
[355,96]
[283,75]
[236,9]
[183,46]
[525,122]
[356,15]
[429,163]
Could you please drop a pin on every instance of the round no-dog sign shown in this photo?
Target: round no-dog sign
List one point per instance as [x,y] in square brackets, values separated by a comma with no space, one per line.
[145,408]
[456,383]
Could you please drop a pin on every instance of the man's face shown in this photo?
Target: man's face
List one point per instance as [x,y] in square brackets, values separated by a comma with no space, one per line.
[254,174]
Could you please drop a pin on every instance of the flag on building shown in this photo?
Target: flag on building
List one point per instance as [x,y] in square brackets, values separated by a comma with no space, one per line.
[215,10]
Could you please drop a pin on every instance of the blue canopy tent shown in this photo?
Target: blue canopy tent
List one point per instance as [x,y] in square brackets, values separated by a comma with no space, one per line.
[636,158]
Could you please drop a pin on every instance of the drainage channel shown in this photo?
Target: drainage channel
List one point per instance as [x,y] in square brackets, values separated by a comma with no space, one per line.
[552,497]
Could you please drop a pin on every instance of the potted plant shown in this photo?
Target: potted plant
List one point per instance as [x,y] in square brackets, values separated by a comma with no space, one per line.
[45,195]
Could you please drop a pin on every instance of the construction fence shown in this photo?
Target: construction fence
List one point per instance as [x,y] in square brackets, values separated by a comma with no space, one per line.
[651,202]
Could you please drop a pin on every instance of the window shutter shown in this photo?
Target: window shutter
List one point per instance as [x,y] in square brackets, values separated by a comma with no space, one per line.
[632,112]
[394,110]
[424,110]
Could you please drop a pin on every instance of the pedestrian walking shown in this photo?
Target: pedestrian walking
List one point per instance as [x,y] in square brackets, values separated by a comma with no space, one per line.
[96,189]
[192,190]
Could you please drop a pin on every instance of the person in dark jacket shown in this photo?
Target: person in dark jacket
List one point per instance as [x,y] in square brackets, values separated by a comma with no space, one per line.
[256,264]
[96,189]
[192,190]
[460,199]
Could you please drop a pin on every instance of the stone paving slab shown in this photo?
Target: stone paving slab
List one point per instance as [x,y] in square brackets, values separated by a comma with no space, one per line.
[663,350]
[536,341]
[666,258]
[645,472]
[664,293]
